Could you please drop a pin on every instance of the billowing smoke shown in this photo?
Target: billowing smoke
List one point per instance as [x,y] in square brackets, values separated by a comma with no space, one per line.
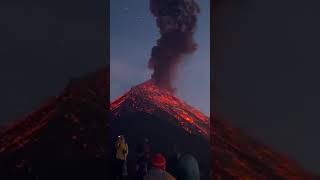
[177,21]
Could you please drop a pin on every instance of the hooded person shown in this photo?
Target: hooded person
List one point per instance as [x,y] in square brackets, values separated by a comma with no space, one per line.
[158,171]
[187,168]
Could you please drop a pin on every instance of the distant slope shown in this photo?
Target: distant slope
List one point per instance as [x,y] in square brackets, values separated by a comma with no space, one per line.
[237,156]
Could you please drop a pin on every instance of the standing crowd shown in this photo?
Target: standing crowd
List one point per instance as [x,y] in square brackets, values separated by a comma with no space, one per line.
[177,166]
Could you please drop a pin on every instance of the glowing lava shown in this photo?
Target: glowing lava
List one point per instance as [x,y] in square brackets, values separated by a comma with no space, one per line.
[151,99]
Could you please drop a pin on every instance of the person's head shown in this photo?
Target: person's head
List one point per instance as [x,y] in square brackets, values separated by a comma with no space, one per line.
[146,140]
[159,161]
[121,139]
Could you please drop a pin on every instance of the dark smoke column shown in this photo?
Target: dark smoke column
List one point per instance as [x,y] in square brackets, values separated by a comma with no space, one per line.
[177,20]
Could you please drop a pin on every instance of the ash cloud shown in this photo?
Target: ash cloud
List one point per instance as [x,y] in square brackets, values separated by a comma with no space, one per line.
[177,21]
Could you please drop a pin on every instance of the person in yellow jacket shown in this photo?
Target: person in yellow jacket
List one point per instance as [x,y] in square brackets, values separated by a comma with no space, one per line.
[121,157]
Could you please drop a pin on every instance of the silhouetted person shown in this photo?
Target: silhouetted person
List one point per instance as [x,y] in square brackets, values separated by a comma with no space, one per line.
[173,161]
[183,166]
[147,148]
[187,168]
[142,165]
[158,171]
[121,157]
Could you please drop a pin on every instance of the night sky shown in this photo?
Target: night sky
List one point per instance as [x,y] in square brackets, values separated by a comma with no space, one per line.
[43,45]
[267,68]
[134,32]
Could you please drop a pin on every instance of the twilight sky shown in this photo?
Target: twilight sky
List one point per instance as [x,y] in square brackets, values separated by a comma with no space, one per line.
[133,32]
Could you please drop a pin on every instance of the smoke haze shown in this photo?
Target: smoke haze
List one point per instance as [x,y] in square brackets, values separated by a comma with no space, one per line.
[177,21]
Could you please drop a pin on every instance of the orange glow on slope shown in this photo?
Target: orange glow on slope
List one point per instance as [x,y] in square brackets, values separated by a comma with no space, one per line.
[149,98]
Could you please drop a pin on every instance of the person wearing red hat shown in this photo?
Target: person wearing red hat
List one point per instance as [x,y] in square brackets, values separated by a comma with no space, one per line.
[158,172]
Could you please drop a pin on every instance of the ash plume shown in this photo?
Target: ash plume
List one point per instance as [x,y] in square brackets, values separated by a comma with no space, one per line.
[177,21]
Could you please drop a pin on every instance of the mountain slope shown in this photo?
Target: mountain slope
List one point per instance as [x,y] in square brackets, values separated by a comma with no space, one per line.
[64,138]
[148,98]
[237,156]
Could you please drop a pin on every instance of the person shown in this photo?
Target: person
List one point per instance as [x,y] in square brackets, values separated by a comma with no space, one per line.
[146,148]
[173,161]
[183,166]
[187,168]
[142,163]
[158,171]
[122,151]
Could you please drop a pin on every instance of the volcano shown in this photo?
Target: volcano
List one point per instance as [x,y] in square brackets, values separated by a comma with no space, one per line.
[67,137]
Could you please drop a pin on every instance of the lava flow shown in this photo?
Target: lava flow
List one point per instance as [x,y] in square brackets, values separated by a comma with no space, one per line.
[149,98]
